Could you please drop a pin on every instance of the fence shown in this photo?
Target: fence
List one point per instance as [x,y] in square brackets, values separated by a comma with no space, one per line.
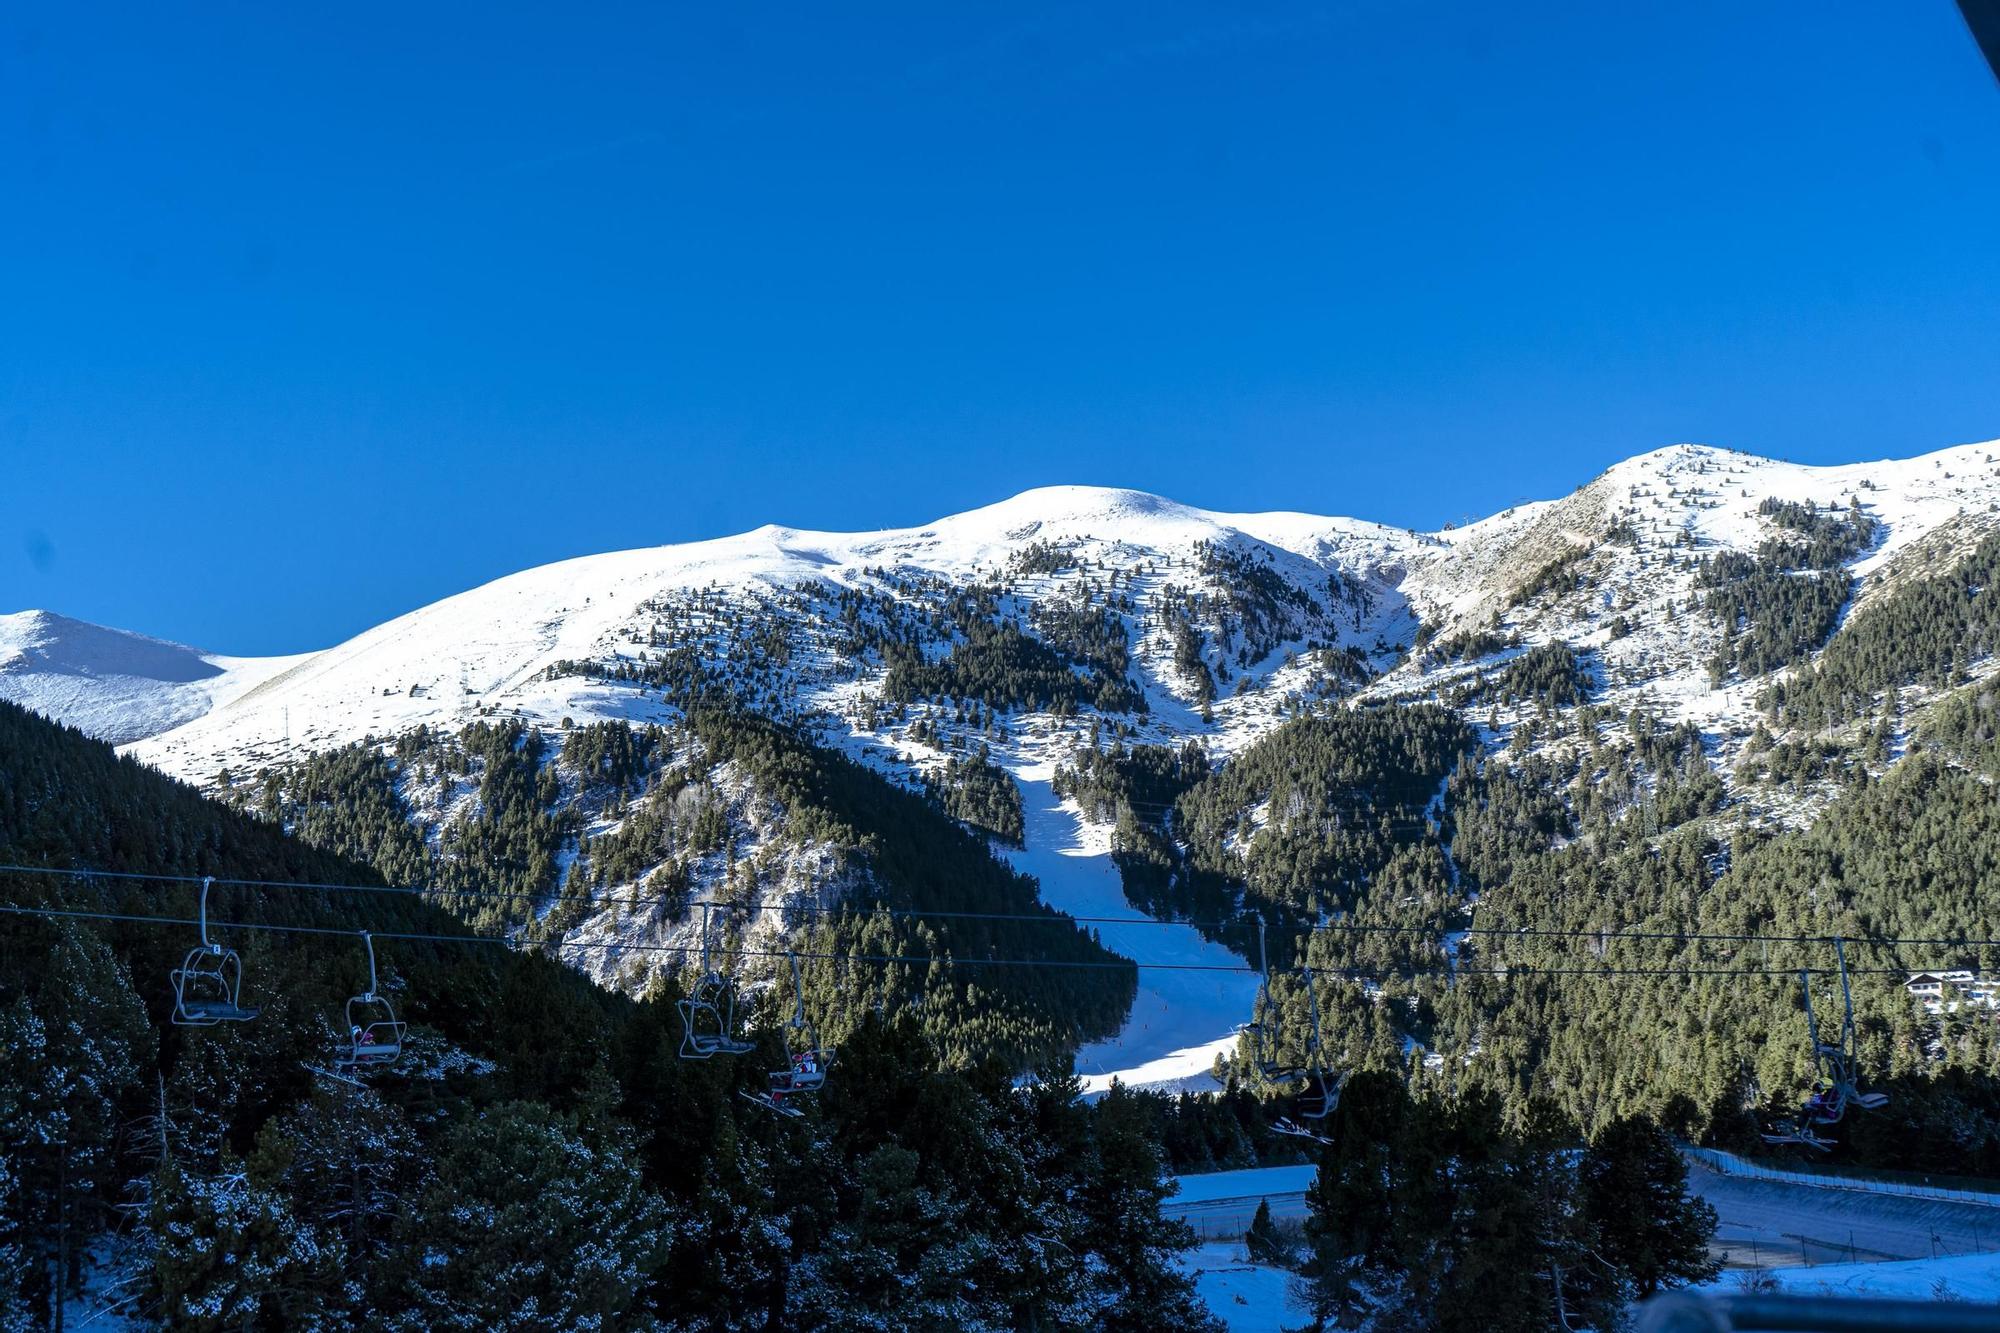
[1729,1164]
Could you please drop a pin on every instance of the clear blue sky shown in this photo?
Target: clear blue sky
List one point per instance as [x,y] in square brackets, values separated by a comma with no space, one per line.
[313,314]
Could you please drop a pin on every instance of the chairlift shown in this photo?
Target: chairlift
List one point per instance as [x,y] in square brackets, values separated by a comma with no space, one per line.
[1838,1061]
[1293,1129]
[374,1037]
[708,1012]
[1803,1134]
[208,985]
[1263,1026]
[806,1060]
[1837,1086]
[1322,1093]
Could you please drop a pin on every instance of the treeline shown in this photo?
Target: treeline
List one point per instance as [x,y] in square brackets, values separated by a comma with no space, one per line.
[1134,788]
[508,809]
[1441,1213]
[1309,813]
[500,817]
[1549,676]
[918,859]
[541,1158]
[1004,667]
[1913,855]
[1617,831]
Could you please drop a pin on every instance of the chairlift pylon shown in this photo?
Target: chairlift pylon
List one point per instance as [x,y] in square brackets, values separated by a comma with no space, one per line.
[708,1012]
[208,985]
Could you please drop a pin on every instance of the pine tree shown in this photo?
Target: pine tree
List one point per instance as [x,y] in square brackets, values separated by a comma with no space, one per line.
[1261,1241]
[232,1256]
[1635,1195]
[527,1225]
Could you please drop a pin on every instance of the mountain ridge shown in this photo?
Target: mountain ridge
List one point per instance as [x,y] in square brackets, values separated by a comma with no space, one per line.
[498,635]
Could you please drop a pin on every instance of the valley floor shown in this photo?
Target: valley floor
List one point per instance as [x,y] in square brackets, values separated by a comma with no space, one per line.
[1845,1237]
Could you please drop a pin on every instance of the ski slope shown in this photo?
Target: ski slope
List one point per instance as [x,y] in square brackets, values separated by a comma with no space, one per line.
[1246,1297]
[1180,1020]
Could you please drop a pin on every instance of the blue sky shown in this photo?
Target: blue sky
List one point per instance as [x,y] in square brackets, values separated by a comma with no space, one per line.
[313,314]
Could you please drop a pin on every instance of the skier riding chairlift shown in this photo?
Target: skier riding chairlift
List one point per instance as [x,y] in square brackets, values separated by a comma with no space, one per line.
[374,1034]
[1837,1088]
[806,1060]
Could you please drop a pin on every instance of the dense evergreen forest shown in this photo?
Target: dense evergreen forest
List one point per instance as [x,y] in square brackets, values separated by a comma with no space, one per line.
[1574,979]
[541,1158]
[508,808]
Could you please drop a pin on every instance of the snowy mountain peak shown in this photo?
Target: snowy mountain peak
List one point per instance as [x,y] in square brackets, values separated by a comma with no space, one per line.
[45,641]
[113,683]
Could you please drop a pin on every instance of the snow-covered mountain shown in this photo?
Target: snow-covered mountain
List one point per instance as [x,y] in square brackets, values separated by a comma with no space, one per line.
[1261,591]
[1024,630]
[496,649]
[112,683]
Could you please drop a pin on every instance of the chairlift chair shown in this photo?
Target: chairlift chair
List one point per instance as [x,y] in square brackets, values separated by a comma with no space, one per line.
[1263,1026]
[806,1060]
[1836,1060]
[374,1037]
[1786,1133]
[1293,1129]
[1838,1086]
[208,985]
[708,1012]
[1322,1092]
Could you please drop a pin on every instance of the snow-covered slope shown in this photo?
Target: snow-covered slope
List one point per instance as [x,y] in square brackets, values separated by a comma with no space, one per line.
[1637,533]
[498,648]
[491,649]
[114,684]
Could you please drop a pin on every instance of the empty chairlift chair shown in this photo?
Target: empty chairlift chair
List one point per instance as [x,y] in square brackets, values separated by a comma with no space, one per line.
[208,985]
[708,1012]
[374,1035]
[1321,1094]
[1322,1090]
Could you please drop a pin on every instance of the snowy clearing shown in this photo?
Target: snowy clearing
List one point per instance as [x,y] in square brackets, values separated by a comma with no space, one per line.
[1249,1298]
[1967,1277]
